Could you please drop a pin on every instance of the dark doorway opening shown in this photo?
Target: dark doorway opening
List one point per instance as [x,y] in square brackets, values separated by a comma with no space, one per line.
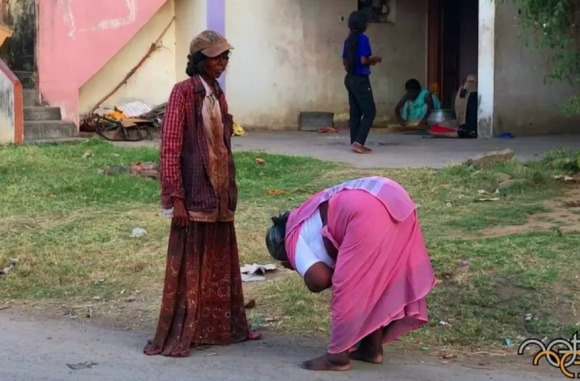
[19,51]
[453,27]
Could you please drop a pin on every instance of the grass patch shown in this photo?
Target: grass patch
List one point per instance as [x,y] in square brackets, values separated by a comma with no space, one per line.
[485,301]
[69,226]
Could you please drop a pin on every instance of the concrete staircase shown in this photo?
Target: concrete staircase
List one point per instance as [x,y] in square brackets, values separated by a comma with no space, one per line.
[43,123]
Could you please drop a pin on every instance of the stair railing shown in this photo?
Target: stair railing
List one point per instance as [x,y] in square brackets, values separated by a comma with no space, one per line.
[11,107]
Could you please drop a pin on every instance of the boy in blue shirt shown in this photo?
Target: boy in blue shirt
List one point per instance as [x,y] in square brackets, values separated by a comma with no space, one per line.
[357,59]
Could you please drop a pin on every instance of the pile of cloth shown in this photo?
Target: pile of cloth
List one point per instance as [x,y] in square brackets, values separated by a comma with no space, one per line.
[465,123]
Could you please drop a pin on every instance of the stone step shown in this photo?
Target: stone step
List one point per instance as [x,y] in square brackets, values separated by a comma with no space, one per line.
[31,98]
[27,78]
[48,130]
[42,113]
[57,141]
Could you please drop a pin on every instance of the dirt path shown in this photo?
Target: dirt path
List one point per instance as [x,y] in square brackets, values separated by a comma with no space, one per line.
[35,349]
[562,215]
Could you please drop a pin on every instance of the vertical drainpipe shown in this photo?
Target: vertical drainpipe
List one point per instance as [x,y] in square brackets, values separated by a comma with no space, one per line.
[216,20]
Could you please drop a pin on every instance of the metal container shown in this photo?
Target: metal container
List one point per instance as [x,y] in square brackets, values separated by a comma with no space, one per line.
[315,120]
[439,116]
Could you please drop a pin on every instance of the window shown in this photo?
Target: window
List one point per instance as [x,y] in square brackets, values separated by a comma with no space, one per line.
[379,11]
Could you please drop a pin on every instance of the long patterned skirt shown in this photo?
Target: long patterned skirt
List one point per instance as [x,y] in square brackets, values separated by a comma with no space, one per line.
[203,302]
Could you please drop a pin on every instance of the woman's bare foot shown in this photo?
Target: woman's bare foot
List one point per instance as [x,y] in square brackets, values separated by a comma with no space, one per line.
[366,355]
[358,148]
[328,363]
[371,348]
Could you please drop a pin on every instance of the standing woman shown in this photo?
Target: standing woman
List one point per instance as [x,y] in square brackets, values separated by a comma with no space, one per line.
[357,59]
[203,302]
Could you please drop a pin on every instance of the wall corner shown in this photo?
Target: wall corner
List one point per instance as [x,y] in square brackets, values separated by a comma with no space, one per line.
[486,69]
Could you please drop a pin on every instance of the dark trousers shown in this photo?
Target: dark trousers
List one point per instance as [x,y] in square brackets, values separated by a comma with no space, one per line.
[362,107]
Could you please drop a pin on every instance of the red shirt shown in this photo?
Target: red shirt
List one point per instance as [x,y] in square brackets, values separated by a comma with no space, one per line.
[184,153]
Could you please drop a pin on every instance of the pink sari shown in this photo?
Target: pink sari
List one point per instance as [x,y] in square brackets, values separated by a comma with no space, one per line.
[383,271]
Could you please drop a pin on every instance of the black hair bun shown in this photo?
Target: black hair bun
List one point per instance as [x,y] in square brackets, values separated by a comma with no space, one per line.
[281,219]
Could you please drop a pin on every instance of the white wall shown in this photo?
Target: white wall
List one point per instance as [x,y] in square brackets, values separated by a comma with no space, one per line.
[191,20]
[403,47]
[152,82]
[486,68]
[287,58]
[7,124]
[523,103]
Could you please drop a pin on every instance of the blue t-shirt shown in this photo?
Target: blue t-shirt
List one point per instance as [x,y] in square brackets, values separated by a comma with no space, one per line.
[363,50]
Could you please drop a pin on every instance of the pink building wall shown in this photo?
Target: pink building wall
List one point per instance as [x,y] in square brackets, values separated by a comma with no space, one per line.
[76,38]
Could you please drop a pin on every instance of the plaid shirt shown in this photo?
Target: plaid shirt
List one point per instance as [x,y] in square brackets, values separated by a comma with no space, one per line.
[184,153]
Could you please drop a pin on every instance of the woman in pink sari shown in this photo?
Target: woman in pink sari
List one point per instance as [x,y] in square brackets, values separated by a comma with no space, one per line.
[361,239]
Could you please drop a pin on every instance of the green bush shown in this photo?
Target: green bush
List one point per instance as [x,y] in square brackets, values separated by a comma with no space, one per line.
[564,160]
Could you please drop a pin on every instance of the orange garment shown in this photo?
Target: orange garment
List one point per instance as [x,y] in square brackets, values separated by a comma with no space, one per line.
[218,152]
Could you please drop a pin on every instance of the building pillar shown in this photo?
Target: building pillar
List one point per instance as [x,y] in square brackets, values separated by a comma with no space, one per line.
[486,69]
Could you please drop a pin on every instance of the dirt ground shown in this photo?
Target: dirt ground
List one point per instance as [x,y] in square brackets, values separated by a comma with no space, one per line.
[42,349]
[562,215]
[42,341]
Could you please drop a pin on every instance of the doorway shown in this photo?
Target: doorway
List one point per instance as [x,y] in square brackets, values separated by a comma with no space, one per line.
[19,51]
[453,38]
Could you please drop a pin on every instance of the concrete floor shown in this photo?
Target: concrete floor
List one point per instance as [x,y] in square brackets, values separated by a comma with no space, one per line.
[40,349]
[397,150]
[393,150]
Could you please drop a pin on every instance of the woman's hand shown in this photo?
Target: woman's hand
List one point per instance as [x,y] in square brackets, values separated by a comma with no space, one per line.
[287,265]
[330,249]
[180,216]
[401,121]
[371,60]
[318,277]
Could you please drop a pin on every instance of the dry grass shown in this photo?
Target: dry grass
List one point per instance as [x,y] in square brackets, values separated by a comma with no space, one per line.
[70,228]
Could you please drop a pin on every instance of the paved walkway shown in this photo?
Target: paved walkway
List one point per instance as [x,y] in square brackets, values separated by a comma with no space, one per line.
[394,150]
[397,150]
[39,350]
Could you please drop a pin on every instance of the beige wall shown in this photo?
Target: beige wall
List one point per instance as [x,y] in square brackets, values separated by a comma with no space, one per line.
[190,18]
[523,103]
[287,58]
[152,82]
